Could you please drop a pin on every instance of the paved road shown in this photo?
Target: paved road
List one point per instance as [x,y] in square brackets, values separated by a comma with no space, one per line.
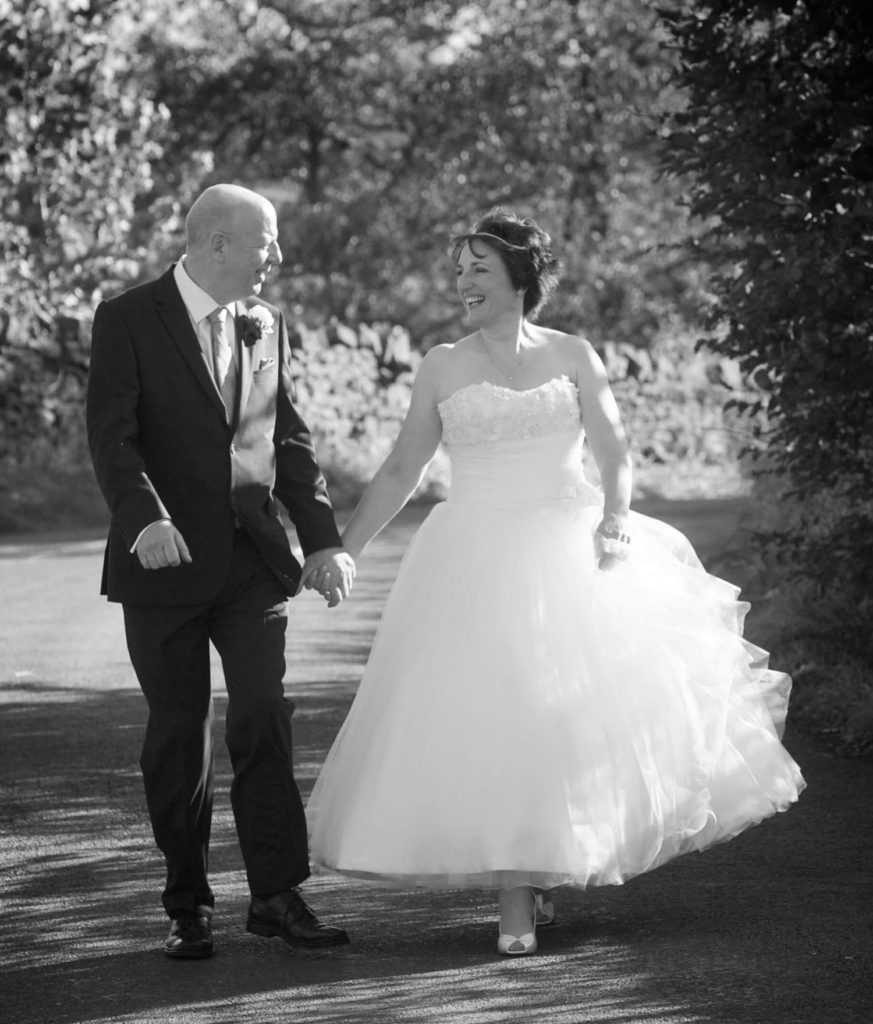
[773,928]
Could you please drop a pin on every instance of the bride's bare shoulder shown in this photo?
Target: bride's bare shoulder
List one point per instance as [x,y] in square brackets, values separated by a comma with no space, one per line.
[577,350]
[572,353]
[451,350]
[441,358]
[446,366]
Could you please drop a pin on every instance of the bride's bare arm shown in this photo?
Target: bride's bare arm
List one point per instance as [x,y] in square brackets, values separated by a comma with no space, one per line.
[606,436]
[399,475]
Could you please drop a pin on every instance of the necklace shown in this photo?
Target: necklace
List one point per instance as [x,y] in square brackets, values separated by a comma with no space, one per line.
[511,372]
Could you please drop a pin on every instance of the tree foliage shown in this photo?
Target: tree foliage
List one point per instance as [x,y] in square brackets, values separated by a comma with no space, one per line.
[776,140]
[385,127]
[78,143]
[378,128]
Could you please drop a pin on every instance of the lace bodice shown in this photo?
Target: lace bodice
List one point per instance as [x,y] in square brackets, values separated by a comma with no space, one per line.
[485,413]
[509,447]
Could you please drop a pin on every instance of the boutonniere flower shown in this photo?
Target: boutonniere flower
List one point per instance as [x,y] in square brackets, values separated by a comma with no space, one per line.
[255,323]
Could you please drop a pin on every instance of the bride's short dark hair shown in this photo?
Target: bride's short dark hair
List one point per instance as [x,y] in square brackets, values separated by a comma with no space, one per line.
[526,250]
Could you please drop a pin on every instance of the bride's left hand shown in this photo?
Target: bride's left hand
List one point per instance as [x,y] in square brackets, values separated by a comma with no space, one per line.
[611,541]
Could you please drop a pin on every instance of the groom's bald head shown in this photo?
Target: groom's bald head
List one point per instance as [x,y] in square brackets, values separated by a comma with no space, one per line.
[232,242]
[222,208]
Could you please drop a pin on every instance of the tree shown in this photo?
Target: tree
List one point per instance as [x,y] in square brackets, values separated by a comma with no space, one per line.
[776,138]
[75,162]
[380,128]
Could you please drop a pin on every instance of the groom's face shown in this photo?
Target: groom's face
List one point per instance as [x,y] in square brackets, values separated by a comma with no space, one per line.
[252,250]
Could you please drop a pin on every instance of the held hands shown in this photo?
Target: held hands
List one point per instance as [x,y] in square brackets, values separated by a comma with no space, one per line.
[331,572]
[611,541]
[161,546]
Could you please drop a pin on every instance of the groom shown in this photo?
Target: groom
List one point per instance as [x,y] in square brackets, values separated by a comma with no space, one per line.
[195,440]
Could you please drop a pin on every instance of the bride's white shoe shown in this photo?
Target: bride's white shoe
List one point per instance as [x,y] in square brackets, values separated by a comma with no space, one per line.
[545,911]
[518,945]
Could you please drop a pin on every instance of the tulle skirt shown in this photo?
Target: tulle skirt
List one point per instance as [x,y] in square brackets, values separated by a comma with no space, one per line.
[526,718]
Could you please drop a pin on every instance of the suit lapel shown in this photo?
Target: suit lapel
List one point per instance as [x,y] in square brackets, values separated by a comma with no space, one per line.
[174,316]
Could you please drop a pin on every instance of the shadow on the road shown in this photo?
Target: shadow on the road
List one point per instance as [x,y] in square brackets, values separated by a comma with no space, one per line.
[769,928]
[772,928]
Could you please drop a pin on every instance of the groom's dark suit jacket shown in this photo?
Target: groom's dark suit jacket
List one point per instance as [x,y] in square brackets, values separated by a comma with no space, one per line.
[162,446]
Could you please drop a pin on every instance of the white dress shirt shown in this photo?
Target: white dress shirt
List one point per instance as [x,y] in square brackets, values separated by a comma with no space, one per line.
[199,305]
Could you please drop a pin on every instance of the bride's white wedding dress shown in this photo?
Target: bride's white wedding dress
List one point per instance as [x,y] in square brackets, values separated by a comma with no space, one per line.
[526,718]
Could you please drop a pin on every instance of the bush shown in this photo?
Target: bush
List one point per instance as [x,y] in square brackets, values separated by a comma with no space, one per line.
[819,635]
[776,140]
[52,487]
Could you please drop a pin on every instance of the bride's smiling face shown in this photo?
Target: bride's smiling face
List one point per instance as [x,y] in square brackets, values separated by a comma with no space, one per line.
[484,284]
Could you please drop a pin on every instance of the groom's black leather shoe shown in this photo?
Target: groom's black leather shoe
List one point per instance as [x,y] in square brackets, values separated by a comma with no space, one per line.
[190,935]
[287,916]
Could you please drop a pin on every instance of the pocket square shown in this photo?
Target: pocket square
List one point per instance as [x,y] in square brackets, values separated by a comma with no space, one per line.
[265,364]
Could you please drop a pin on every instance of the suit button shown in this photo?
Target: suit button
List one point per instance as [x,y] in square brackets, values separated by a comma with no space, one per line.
[233,449]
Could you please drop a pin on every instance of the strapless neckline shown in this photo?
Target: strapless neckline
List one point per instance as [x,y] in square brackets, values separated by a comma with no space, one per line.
[487,413]
[562,379]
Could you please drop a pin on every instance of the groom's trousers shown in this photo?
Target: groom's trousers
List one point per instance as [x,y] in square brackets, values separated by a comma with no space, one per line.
[169,649]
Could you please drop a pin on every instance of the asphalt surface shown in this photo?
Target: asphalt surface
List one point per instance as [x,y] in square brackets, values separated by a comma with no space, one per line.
[775,927]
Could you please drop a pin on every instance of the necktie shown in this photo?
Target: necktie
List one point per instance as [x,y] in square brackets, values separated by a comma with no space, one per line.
[222,358]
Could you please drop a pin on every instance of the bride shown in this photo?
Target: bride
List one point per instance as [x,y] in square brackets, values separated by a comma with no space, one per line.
[558,692]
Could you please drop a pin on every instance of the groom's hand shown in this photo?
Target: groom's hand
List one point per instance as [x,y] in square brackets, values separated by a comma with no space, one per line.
[161,546]
[331,572]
